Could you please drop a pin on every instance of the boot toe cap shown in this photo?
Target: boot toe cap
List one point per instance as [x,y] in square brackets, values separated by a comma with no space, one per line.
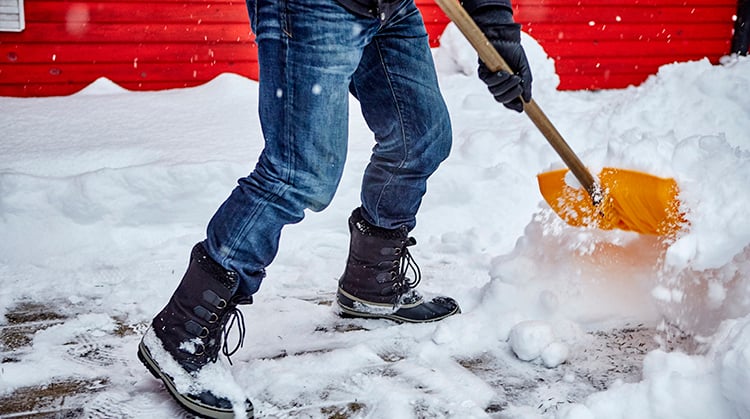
[435,309]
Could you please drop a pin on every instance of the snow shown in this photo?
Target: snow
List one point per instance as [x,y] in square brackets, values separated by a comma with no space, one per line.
[104,192]
[531,340]
[215,376]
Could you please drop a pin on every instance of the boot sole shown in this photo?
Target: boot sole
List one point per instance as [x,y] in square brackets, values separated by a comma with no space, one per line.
[348,312]
[186,403]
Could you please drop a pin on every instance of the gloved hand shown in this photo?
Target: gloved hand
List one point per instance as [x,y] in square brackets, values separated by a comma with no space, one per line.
[497,24]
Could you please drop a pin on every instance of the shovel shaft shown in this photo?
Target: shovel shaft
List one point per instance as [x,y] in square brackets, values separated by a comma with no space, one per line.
[562,148]
[495,62]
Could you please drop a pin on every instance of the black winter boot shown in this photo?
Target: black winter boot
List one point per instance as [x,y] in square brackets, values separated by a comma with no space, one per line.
[182,346]
[375,282]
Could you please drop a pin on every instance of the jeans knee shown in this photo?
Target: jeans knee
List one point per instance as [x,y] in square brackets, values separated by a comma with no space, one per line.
[317,188]
[446,134]
[441,137]
[319,198]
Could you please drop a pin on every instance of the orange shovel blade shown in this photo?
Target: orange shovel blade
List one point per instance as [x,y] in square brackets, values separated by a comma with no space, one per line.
[632,201]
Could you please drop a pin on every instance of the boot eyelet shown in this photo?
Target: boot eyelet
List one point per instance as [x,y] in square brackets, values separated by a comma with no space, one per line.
[213,319]
[204,333]
[200,350]
[222,304]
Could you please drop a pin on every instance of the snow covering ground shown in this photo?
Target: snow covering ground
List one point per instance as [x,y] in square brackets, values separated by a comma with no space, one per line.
[103,193]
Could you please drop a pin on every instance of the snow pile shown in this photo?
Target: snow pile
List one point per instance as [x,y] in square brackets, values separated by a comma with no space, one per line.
[532,340]
[105,192]
[677,385]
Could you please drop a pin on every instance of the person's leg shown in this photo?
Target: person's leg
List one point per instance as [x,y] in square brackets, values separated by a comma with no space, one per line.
[741,35]
[308,50]
[398,90]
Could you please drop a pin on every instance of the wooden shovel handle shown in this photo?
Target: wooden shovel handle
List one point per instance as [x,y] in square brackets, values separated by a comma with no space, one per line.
[495,62]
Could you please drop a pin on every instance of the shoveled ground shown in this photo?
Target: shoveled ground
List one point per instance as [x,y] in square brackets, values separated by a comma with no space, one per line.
[606,357]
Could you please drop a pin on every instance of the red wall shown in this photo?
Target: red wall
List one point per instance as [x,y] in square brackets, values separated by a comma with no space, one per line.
[615,43]
[157,44]
[139,44]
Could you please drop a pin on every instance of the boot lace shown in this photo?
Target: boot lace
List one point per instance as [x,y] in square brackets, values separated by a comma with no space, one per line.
[232,317]
[406,264]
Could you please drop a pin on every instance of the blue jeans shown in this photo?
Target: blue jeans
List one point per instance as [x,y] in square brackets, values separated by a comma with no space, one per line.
[312,54]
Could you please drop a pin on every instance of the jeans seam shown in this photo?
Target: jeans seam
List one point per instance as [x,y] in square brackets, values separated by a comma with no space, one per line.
[401,122]
[284,18]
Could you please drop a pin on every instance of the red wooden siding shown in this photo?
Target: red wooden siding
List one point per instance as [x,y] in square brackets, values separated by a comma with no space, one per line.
[157,44]
[139,44]
[615,43]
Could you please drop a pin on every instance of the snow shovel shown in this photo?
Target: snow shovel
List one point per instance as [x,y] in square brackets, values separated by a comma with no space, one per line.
[620,198]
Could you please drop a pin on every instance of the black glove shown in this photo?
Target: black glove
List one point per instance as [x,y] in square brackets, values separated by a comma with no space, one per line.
[497,24]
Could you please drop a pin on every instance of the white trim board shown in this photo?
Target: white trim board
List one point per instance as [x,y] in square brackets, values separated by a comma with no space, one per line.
[11,16]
